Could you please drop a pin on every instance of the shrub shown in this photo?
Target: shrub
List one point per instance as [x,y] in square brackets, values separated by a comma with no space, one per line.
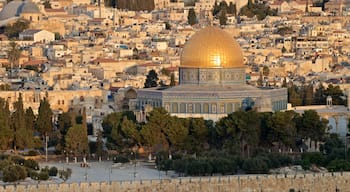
[4,164]
[43,175]
[339,165]
[32,164]
[120,159]
[255,165]
[65,174]
[17,160]
[34,175]
[53,171]
[14,173]
[313,158]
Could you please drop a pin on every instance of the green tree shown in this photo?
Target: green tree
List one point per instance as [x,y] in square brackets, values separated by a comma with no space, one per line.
[232,9]
[266,71]
[152,131]
[216,9]
[84,133]
[47,4]
[223,17]
[151,79]
[30,119]
[23,136]
[58,36]
[284,129]
[76,141]
[294,96]
[198,135]
[242,127]
[336,93]
[320,96]
[6,133]
[12,30]
[313,126]
[13,55]
[175,133]
[308,94]
[64,122]
[112,128]
[44,119]
[172,80]
[130,131]
[192,18]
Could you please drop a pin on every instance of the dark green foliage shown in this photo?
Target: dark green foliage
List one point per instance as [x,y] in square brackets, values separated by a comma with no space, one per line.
[260,10]
[13,173]
[312,158]
[47,4]
[43,175]
[53,171]
[216,9]
[167,26]
[120,159]
[76,140]
[13,54]
[22,137]
[232,9]
[6,133]
[12,30]
[336,93]
[172,80]
[255,165]
[44,120]
[65,174]
[58,36]
[32,164]
[192,18]
[132,5]
[294,96]
[339,165]
[284,31]
[223,17]
[114,126]
[151,79]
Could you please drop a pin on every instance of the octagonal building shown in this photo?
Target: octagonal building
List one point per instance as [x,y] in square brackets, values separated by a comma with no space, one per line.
[212,82]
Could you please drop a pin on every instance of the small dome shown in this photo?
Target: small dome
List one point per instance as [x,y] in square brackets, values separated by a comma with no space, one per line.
[212,47]
[12,9]
[30,7]
[16,8]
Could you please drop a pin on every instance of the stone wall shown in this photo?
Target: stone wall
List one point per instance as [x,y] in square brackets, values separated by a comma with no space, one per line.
[247,183]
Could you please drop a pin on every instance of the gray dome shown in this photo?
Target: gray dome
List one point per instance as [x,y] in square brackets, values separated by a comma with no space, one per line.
[15,8]
[30,7]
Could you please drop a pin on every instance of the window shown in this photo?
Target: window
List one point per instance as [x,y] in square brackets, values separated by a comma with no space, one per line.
[190,108]
[182,108]
[213,108]
[174,108]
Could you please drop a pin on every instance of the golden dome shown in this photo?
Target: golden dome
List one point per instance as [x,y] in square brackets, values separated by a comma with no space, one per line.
[212,47]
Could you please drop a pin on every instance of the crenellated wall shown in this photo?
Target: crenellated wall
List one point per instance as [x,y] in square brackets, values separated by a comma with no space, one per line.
[247,183]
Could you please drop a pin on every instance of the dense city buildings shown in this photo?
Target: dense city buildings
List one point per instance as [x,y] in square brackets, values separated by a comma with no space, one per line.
[97,55]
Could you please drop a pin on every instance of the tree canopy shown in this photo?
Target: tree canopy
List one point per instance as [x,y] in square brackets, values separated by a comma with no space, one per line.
[151,79]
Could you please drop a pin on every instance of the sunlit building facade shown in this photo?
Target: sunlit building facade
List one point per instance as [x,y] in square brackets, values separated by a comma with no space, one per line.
[212,82]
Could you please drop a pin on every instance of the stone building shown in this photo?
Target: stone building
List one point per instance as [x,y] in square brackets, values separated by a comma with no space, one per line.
[212,82]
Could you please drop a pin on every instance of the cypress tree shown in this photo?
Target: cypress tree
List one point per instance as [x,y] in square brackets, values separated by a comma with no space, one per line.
[192,18]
